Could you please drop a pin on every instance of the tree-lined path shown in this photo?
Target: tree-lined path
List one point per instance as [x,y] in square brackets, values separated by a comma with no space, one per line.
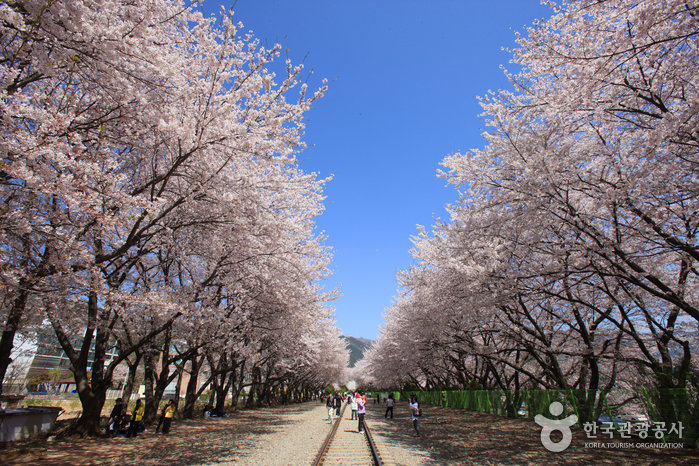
[292,435]
[153,207]
[158,228]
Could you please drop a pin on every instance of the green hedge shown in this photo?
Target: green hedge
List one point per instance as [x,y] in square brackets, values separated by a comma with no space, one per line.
[670,406]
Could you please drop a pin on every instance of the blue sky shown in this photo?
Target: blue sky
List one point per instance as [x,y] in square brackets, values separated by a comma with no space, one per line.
[405,76]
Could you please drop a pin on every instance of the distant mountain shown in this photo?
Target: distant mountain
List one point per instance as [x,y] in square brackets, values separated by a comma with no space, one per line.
[365,341]
[357,347]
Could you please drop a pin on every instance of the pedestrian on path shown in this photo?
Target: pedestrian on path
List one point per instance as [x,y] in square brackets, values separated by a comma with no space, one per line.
[354,407]
[331,411]
[135,422]
[338,404]
[416,412]
[444,399]
[361,410]
[389,406]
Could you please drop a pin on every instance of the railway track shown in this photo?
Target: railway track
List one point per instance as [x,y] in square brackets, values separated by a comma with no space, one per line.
[345,446]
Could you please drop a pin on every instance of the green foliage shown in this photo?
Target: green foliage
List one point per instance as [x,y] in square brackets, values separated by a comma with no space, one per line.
[33,383]
[39,403]
[56,374]
[330,389]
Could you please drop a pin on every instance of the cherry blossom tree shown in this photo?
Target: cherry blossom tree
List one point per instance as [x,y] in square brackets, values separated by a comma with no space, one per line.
[571,255]
[127,125]
[601,136]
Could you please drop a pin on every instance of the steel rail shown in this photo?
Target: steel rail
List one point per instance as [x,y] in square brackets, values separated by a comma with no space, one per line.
[374,451]
[329,438]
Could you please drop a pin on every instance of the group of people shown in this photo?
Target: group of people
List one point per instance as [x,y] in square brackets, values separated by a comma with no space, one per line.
[358,402]
[333,403]
[134,426]
[210,412]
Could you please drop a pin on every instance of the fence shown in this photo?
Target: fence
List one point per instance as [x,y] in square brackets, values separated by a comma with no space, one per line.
[664,407]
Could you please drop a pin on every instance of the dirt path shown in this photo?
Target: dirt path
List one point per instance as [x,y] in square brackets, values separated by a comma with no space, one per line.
[249,437]
[292,435]
[456,437]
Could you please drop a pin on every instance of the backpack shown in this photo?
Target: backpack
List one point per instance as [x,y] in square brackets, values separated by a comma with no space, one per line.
[417,412]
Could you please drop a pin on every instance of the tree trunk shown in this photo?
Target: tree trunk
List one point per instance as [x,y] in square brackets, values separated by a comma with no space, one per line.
[230,387]
[254,387]
[10,329]
[193,394]
[151,407]
[221,389]
[163,379]
[131,377]
[238,385]
[92,403]
[178,387]
[92,391]
[189,398]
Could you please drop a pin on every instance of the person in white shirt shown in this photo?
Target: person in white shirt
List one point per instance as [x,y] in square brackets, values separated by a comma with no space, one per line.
[355,407]
[389,406]
[415,410]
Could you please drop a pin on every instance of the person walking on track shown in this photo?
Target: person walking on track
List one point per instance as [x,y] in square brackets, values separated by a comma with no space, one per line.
[361,410]
[329,403]
[338,404]
[355,407]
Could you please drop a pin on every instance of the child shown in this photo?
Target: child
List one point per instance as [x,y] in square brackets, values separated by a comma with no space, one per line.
[354,407]
[168,414]
[136,417]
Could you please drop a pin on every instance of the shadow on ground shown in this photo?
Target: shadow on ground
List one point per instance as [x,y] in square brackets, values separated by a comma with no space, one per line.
[196,441]
[449,437]
[457,437]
